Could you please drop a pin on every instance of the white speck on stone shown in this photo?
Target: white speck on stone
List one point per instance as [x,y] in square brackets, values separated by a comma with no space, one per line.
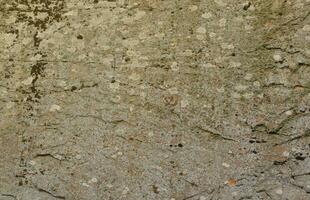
[54,108]
[200,37]
[202,30]
[114,86]
[248,27]
[109,185]
[248,77]
[130,43]
[59,157]
[306,28]
[173,90]
[241,87]
[225,165]
[256,84]
[10,19]
[174,66]
[193,8]
[139,15]
[125,191]
[235,64]
[286,153]
[251,8]
[289,112]
[131,108]
[261,96]
[236,95]
[202,198]
[209,65]
[220,3]
[28,80]
[36,57]
[94,180]
[279,191]
[206,15]
[222,22]
[32,162]
[134,76]
[248,95]
[184,103]
[220,90]
[234,193]
[10,105]
[277,57]
[212,34]
[85,184]
[61,83]
[188,52]
[78,157]
[227,46]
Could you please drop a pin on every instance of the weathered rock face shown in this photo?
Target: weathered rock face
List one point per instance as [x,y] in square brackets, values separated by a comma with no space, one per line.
[149,99]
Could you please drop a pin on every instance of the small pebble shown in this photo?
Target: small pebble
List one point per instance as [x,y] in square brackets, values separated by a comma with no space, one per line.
[201,30]
[10,105]
[94,180]
[28,80]
[193,8]
[85,184]
[54,108]
[226,165]
[277,58]
[222,22]
[206,15]
[248,77]
[306,28]
[286,153]
[174,66]
[203,198]
[289,112]
[279,191]
[125,191]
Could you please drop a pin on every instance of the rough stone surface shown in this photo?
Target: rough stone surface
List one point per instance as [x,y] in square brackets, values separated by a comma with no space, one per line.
[154,99]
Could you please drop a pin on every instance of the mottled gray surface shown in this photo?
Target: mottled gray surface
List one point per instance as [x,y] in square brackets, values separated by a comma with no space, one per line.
[154,99]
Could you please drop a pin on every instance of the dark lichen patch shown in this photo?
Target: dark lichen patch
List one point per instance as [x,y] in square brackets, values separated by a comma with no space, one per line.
[53,9]
[155,189]
[29,12]
[80,37]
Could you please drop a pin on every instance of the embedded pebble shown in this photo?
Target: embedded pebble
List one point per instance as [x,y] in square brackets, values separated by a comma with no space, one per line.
[279,191]
[94,180]
[193,8]
[202,198]
[28,80]
[201,30]
[206,15]
[226,165]
[54,108]
[277,57]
